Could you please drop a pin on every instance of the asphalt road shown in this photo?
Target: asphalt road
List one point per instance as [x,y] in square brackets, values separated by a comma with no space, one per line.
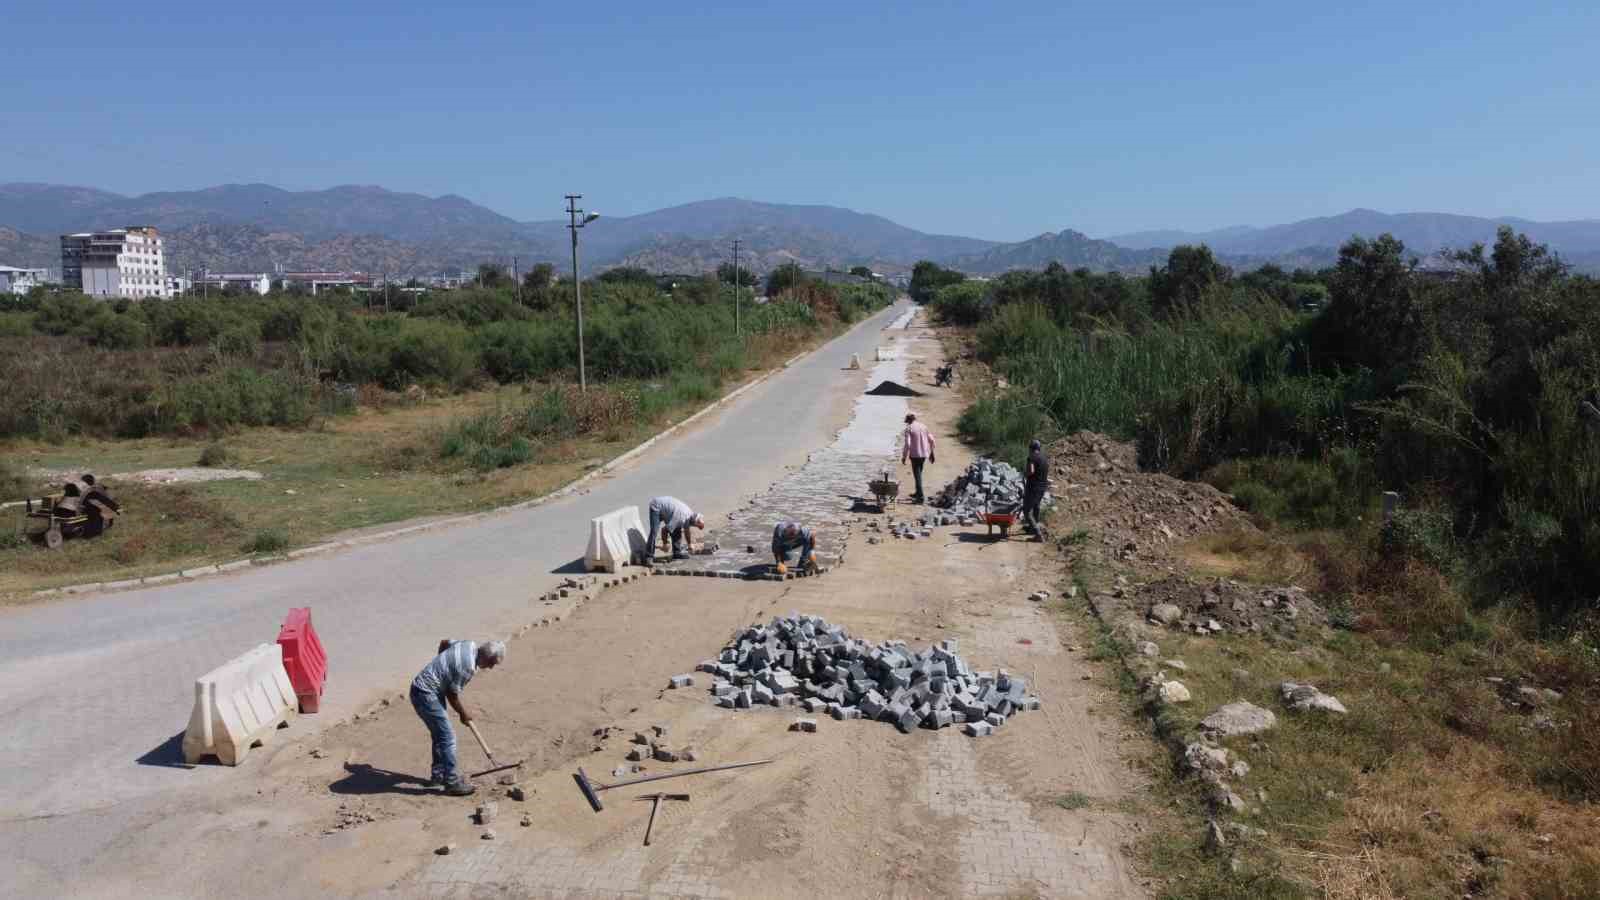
[95,691]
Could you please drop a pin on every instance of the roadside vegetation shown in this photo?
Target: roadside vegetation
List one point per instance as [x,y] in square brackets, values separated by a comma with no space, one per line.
[1464,632]
[418,404]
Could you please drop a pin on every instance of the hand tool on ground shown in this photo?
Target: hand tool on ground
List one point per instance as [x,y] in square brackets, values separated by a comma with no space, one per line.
[591,789]
[655,804]
[494,766]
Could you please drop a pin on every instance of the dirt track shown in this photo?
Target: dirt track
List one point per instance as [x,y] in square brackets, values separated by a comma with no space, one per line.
[856,809]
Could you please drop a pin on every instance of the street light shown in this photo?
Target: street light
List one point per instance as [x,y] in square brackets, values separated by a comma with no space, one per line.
[736,331]
[577,218]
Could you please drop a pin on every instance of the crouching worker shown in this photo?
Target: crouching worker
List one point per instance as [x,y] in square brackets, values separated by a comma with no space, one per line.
[442,681]
[677,519]
[791,536]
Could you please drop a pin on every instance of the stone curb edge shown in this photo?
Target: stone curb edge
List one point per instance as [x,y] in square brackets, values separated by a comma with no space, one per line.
[565,491]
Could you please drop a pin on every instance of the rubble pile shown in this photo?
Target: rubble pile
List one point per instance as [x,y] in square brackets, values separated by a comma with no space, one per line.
[1224,605]
[802,660]
[1136,514]
[986,485]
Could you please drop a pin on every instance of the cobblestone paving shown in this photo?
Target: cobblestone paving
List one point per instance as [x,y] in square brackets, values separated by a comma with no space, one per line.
[1003,850]
[821,493]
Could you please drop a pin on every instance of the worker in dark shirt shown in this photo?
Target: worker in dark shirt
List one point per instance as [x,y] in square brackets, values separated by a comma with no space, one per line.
[1036,481]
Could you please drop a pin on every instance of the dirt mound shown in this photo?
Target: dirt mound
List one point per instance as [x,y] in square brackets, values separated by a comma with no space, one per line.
[1228,606]
[893,389]
[1098,487]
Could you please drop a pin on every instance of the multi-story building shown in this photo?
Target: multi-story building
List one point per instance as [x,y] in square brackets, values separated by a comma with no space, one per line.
[260,284]
[122,262]
[21,281]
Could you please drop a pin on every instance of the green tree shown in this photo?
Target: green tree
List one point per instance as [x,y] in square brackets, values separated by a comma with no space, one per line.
[1190,271]
[785,277]
[861,272]
[627,273]
[928,277]
[492,275]
[1373,318]
[747,278]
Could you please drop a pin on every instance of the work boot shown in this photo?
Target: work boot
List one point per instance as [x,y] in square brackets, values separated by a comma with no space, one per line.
[679,554]
[460,789]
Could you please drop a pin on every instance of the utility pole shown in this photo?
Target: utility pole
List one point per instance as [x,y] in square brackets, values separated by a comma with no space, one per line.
[577,218]
[736,330]
[516,283]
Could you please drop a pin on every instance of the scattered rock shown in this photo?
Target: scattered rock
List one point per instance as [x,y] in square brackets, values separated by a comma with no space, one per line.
[446,849]
[1238,717]
[1176,664]
[1166,613]
[508,780]
[1147,648]
[1239,769]
[662,754]
[1215,840]
[659,731]
[488,834]
[1199,757]
[517,793]
[487,812]
[688,754]
[318,754]
[527,821]
[1173,692]
[1223,799]
[1305,697]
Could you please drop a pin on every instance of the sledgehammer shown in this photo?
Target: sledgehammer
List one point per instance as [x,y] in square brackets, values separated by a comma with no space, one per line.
[591,789]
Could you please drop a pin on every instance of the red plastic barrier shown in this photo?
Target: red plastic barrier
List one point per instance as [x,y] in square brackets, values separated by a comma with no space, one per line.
[303,658]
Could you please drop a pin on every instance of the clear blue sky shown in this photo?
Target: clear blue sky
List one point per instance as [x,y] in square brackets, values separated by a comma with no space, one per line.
[997,120]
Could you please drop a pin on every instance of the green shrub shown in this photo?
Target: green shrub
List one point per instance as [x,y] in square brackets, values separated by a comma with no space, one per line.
[268,540]
[214,455]
[16,324]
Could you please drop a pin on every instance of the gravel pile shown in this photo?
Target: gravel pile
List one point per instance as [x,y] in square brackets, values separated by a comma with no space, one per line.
[986,485]
[802,660]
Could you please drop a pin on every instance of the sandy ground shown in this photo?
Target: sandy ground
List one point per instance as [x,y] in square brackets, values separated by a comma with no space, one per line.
[854,810]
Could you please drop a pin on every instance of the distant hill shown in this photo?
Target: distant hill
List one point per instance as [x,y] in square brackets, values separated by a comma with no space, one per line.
[1422,232]
[1072,249]
[28,251]
[351,209]
[253,227]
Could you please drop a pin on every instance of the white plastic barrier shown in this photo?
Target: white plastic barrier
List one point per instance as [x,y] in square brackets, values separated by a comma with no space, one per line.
[615,540]
[238,704]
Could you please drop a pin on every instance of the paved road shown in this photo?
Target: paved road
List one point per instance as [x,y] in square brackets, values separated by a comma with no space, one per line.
[94,691]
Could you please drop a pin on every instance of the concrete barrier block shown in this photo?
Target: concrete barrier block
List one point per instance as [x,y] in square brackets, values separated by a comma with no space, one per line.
[615,540]
[238,705]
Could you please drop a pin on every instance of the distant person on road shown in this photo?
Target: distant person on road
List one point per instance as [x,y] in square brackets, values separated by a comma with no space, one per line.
[917,447]
[677,518]
[790,536]
[442,681]
[1036,481]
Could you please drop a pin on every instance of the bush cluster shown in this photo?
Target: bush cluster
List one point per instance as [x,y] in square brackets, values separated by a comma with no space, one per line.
[86,366]
[1307,393]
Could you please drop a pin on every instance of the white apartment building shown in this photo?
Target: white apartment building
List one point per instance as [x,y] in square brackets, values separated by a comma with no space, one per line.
[21,281]
[122,262]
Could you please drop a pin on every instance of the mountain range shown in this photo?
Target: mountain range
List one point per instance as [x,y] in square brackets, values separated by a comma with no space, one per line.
[257,227]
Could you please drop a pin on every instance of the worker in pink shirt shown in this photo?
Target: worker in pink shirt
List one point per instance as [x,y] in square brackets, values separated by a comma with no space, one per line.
[916,446]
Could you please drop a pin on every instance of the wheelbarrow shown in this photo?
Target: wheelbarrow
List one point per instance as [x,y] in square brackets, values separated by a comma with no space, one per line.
[884,490]
[1003,518]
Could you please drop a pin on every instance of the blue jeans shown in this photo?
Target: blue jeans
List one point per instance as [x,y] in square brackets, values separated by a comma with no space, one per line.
[657,519]
[782,550]
[430,708]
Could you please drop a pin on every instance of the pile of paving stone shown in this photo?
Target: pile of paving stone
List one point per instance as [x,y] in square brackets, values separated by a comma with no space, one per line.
[986,485]
[803,660]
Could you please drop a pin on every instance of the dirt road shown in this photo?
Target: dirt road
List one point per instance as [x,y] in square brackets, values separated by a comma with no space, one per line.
[856,809]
